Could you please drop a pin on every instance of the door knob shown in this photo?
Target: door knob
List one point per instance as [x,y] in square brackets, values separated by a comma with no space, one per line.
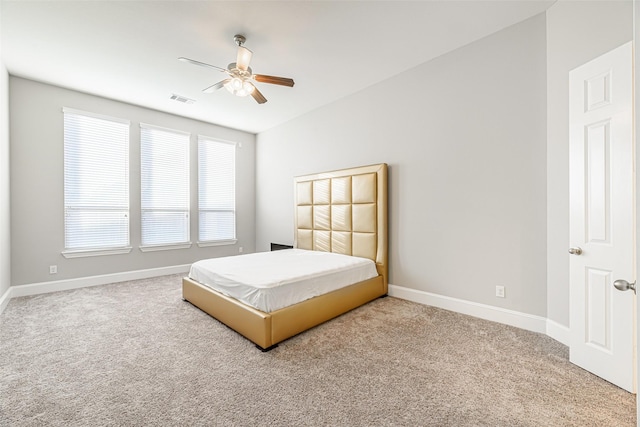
[575,251]
[623,285]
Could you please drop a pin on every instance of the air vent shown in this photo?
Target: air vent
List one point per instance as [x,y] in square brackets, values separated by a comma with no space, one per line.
[182,99]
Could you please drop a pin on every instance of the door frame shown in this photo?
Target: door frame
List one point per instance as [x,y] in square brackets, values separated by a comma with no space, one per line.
[636,115]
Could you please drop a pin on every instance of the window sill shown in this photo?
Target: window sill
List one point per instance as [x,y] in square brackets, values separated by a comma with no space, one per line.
[81,253]
[218,243]
[154,248]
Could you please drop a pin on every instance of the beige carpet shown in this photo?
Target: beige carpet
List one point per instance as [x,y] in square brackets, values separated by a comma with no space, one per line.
[134,354]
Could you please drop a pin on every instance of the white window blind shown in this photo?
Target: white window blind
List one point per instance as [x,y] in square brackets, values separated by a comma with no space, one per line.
[164,180]
[216,190]
[96,182]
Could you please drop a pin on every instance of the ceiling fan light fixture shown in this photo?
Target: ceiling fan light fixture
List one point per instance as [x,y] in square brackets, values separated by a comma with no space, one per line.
[248,86]
[239,86]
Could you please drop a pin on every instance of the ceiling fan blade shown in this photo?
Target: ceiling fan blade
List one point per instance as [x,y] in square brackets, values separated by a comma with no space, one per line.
[258,96]
[282,81]
[202,64]
[216,86]
[243,59]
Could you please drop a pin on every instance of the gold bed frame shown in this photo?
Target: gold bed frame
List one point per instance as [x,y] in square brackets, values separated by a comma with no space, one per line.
[342,211]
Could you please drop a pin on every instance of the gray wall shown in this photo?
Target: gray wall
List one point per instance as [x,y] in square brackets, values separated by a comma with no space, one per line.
[577,31]
[5,226]
[37,222]
[466,147]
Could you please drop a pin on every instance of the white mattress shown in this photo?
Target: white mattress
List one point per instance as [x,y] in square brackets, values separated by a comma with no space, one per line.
[269,281]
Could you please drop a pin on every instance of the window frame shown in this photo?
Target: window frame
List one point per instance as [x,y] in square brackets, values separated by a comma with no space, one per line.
[167,246]
[106,250]
[221,242]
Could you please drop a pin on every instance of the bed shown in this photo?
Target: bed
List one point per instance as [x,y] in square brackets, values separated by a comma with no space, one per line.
[340,212]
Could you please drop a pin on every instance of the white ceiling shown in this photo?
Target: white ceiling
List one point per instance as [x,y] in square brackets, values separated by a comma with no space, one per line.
[128,50]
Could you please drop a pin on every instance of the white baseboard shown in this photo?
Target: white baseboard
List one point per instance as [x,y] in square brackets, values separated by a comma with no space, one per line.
[483,311]
[558,332]
[83,282]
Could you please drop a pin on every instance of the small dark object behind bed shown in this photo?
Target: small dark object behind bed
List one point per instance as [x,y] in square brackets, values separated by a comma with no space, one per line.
[278,246]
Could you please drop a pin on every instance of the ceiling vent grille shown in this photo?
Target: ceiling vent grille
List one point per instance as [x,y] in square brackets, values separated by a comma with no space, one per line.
[182,99]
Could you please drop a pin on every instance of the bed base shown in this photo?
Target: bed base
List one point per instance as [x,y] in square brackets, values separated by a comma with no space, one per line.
[266,330]
[264,350]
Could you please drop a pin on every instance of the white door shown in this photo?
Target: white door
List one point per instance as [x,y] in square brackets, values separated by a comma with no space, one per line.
[602,223]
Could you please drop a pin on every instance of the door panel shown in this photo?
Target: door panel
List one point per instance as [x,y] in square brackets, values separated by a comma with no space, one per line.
[597,176]
[598,304]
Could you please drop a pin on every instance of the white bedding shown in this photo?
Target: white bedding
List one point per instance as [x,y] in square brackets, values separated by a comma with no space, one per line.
[269,281]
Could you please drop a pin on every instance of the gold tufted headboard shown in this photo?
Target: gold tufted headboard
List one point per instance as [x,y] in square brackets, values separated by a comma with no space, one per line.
[344,211]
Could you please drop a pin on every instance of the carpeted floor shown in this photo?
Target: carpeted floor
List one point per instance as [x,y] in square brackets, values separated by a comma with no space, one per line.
[134,354]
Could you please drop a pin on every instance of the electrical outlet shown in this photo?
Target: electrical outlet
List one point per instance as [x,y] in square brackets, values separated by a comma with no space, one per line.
[53,269]
[240,249]
[500,291]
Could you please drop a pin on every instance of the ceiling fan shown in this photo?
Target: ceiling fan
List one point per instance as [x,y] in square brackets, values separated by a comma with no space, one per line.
[240,79]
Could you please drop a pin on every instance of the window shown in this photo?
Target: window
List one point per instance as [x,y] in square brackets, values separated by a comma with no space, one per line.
[96,184]
[164,181]
[216,191]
